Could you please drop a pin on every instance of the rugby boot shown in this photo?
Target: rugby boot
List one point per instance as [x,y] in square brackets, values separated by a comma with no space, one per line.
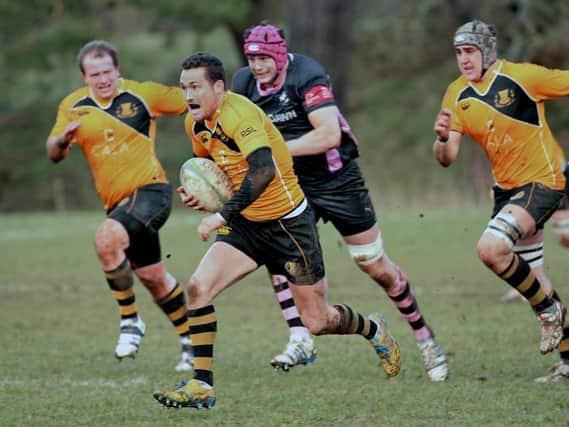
[558,372]
[131,333]
[186,362]
[194,394]
[298,351]
[434,359]
[385,346]
[551,320]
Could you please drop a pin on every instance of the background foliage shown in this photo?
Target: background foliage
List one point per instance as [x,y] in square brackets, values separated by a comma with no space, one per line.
[390,62]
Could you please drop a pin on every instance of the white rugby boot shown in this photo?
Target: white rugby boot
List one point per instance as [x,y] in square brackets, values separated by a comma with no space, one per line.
[558,372]
[298,351]
[512,295]
[131,333]
[186,362]
[434,359]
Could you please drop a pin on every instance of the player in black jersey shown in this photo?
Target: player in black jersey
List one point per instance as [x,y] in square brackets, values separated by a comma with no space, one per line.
[295,92]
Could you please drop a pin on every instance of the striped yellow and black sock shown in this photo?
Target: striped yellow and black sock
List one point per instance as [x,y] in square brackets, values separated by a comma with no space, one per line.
[121,282]
[203,328]
[520,276]
[352,322]
[174,306]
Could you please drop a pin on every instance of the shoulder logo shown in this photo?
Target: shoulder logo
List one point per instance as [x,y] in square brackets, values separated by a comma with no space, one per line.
[518,195]
[504,98]
[126,110]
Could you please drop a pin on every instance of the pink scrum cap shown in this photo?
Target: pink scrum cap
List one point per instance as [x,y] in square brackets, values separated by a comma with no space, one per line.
[266,39]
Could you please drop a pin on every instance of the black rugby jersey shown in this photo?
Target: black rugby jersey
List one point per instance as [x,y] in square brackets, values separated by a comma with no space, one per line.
[306,88]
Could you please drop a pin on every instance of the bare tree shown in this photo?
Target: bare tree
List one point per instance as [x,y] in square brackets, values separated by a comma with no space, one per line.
[322,29]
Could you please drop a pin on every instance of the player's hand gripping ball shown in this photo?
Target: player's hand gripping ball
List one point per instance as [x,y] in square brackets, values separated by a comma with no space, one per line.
[205,181]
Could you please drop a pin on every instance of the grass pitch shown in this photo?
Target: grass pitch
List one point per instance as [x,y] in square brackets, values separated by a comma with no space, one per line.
[60,324]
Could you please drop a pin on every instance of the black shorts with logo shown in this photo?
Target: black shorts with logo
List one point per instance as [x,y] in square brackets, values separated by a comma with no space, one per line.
[343,200]
[540,201]
[289,247]
[142,214]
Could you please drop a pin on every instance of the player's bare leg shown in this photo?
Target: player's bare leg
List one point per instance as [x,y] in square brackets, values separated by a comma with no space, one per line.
[323,319]
[300,349]
[367,251]
[495,249]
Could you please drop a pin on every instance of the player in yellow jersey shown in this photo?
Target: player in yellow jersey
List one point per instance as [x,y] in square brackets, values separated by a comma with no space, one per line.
[500,105]
[112,121]
[266,222]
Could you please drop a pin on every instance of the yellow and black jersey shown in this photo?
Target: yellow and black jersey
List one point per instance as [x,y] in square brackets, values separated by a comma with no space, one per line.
[117,137]
[505,114]
[238,129]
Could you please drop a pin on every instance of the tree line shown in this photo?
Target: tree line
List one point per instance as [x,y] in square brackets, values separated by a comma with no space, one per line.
[389,62]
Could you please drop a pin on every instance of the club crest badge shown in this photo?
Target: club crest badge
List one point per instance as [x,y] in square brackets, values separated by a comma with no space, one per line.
[504,98]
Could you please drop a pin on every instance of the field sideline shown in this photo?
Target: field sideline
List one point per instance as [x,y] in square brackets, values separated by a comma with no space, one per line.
[60,324]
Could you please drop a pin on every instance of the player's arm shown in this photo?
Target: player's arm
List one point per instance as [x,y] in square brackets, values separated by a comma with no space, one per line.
[544,83]
[164,100]
[261,172]
[447,145]
[58,147]
[325,135]
[200,150]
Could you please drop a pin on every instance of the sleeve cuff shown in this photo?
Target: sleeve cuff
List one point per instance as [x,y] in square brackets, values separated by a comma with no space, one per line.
[221,217]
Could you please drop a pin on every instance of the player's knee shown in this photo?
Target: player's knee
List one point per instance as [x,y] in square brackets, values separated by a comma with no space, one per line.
[193,287]
[110,237]
[561,227]
[155,278]
[367,255]
[386,273]
[563,239]
[485,250]
[396,281]
[198,293]
[561,230]
[491,250]
[499,238]
[153,273]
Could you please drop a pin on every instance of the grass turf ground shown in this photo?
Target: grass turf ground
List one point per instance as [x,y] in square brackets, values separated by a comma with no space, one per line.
[60,324]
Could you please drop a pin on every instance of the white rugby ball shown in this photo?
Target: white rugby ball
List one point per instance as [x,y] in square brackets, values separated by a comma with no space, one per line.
[204,180]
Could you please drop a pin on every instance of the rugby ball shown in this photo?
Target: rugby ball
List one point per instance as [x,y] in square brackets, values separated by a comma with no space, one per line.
[204,180]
